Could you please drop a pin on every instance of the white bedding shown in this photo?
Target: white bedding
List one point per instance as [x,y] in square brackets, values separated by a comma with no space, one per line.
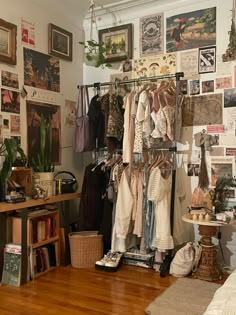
[224,300]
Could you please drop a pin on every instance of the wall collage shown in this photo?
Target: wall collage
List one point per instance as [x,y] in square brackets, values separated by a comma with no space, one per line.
[188,44]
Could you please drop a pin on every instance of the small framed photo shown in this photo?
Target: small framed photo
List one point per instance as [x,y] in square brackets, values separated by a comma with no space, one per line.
[207,59]
[8,42]
[60,42]
[118,42]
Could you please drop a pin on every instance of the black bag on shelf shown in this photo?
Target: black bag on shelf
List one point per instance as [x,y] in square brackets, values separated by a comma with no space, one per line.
[68,182]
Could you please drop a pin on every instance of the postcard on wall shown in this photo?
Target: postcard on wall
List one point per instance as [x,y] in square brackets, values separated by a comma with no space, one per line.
[207,59]
[230,97]
[10,79]
[208,86]
[160,65]
[193,169]
[10,101]
[191,30]
[189,63]
[215,129]
[151,34]
[183,86]
[194,87]
[70,113]
[202,110]
[15,123]
[221,168]
[224,83]
[27,32]
[41,71]
[6,124]
[230,151]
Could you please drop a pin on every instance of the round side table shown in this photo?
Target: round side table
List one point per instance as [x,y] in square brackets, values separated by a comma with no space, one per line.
[208,268]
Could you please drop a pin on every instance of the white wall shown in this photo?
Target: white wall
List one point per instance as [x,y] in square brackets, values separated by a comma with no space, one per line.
[171,8]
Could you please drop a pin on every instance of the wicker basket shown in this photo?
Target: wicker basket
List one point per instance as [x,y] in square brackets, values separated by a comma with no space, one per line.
[85,248]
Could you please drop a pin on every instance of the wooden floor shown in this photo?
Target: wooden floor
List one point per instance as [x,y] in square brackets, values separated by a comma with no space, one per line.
[70,291]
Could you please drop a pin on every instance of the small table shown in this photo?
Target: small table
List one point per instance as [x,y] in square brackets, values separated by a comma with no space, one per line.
[208,268]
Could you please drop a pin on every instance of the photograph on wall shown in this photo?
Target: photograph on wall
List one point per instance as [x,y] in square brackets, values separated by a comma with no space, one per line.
[220,169]
[230,151]
[193,169]
[35,110]
[15,123]
[41,71]
[27,32]
[208,86]
[191,30]
[127,65]
[194,87]
[189,63]
[183,86]
[10,79]
[70,113]
[10,101]
[224,83]
[6,124]
[160,65]
[151,34]
[202,110]
[230,97]
[207,60]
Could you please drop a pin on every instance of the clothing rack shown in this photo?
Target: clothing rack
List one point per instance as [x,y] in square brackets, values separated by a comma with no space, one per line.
[97,85]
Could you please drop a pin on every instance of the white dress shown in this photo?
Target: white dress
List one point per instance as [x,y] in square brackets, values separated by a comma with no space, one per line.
[159,191]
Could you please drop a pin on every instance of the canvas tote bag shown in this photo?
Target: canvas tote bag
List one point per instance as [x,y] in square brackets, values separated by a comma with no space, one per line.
[82,134]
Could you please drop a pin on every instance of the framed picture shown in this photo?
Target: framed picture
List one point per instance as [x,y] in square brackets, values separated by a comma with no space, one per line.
[60,42]
[118,42]
[207,59]
[8,42]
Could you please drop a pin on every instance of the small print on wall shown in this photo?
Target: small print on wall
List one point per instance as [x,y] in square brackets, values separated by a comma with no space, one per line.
[230,97]
[193,169]
[41,71]
[183,86]
[207,60]
[194,87]
[151,34]
[10,79]
[27,32]
[220,170]
[208,86]
[10,101]
[15,123]
[224,83]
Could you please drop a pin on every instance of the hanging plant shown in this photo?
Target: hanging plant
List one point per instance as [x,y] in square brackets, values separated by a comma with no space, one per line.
[94,54]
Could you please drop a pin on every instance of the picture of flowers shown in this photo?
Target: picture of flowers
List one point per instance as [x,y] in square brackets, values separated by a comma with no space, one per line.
[191,30]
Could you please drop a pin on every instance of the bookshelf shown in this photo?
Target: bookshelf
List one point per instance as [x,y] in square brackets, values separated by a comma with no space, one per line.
[42,239]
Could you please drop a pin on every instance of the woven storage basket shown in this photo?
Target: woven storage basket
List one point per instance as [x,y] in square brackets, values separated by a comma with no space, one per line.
[85,248]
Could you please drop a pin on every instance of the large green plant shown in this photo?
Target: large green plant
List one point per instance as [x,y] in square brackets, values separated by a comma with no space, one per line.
[43,162]
[9,149]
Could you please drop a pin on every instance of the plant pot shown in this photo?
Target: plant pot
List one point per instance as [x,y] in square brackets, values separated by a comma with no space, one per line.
[46,181]
[93,62]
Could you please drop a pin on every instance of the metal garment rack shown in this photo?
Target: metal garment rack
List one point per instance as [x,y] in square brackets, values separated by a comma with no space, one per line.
[177,76]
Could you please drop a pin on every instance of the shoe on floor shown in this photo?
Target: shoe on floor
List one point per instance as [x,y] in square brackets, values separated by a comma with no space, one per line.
[113,263]
[100,264]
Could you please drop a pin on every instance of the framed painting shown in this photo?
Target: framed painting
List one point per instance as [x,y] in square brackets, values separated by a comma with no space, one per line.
[207,60]
[59,42]
[118,42]
[8,33]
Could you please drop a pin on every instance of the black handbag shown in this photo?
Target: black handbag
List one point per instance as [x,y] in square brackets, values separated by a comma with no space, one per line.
[68,182]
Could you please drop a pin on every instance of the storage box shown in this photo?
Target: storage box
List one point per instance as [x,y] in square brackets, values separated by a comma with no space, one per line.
[137,259]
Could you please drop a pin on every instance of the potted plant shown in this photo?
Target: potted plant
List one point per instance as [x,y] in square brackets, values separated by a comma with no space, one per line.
[94,54]
[9,150]
[42,166]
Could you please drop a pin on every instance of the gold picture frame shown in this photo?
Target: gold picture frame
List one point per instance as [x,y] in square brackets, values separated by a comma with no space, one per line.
[59,42]
[8,33]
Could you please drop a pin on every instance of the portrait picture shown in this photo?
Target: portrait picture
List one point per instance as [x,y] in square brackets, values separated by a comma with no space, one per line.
[191,30]
[10,101]
[127,66]
[10,79]
[230,97]
[53,112]
[208,86]
[151,34]
[41,71]
[194,87]
[207,59]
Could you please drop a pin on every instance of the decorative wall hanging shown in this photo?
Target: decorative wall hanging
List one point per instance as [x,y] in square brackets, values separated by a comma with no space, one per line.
[151,34]
[161,64]
[207,59]
[41,71]
[230,53]
[60,42]
[191,30]
[202,110]
[8,33]
[118,42]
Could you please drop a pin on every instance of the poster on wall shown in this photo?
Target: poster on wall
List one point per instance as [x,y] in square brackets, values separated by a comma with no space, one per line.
[15,123]
[70,113]
[220,168]
[189,63]
[10,101]
[207,59]
[151,34]
[34,111]
[41,71]
[202,110]
[208,86]
[10,79]
[27,32]
[191,30]
[230,97]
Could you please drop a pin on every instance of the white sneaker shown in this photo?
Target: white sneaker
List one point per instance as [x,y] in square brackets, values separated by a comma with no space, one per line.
[100,264]
[113,263]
